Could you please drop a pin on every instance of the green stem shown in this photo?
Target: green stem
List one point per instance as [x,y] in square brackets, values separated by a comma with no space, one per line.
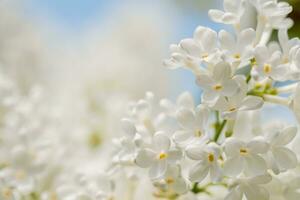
[219,131]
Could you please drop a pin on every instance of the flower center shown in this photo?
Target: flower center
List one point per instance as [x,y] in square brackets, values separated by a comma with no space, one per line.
[243,151]
[6,193]
[162,156]
[237,56]
[169,180]
[198,133]
[218,87]
[232,109]
[204,55]
[267,68]
[20,174]
[211,157]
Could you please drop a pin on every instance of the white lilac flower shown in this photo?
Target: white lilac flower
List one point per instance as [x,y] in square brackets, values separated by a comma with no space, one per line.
[173,181]
[147,115]
[273,13]
[295,103]
[286,44]
[207,157]
[203,47]
[268,64]
[217,83]
[181,58]
[230,106]
[251,188]
[281,157]
[294,59]
[245,156]
[239,50]
[232,14]
[158,156]
[193,125]
[184,100]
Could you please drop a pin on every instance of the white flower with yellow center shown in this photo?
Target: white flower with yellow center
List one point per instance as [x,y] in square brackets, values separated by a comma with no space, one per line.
[158,156]
[239,50]
[185,100]
[208,162]
[230,106]
[173,181]
[217,83]
[193,124]
[273,14]
[268,64]
[251,188]
[245,156]
[232,14]
[203,47]
[281,157]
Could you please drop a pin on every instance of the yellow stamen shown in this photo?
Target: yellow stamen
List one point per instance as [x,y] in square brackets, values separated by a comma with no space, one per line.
[198,133]
[218,87]
[204,55]
[211,157]
[232,109]
[169,180]
[237,56]
[162,156]
[243,151]
[267,68]
[6,193]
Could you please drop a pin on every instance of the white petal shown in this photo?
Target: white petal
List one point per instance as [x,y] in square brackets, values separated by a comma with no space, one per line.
[232,5]
[182,136]
[230,88]
[246,38]
[233,146]
[128,127]
[145,158]
[234,194]
[210,97]
[167,105]
[227,40]
[285,158]
[261,54]
[195,152]
[261,179]
[230,18]
[283,37]
[258,145]
[286,136]
[221,104]
[180,186]
[186,100]
[222,72]
[216,15]
[161,142]
[205,81]
[190,46]
[233,166]
[255,165]
[186,118]
[251,103]
[207,37]
[198,172]
[174,155]
[202,115]
[253,192]
[215,173]
[158,169]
